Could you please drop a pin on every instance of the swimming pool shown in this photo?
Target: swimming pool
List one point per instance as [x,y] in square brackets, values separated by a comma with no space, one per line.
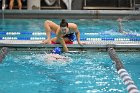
[32,29]
[88,72]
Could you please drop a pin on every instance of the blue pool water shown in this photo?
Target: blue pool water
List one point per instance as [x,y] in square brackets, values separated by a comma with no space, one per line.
[90,72]
[89,28]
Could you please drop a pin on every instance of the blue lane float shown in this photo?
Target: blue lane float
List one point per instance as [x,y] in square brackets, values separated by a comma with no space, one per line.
[43,33]
[3,53]
[42,36]
[3,33]
[108,39]
[83,39]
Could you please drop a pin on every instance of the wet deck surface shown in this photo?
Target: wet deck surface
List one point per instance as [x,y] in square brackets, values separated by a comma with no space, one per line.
[99,44]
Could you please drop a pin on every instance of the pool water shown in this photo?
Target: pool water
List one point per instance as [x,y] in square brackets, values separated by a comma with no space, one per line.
[89,28]
[89,72]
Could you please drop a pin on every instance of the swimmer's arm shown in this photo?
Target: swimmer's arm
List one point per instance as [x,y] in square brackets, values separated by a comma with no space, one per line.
[77,32]
[62,42]
[120,27]
[59,57]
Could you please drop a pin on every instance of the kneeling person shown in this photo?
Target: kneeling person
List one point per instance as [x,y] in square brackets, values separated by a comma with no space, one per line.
[65,33]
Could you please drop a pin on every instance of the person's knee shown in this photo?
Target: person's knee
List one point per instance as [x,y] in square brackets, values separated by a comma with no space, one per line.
[47,22]
[11,1]
[19,2]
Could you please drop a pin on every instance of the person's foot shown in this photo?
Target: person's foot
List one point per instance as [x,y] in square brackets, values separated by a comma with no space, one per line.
[46,41]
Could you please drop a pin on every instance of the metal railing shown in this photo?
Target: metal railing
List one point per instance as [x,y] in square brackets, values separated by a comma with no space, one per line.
[3,5]
[131,6]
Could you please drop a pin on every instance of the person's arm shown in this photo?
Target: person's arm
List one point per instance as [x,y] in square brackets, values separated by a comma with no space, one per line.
[61,40]
[120,25]
[77,33]
[78,37]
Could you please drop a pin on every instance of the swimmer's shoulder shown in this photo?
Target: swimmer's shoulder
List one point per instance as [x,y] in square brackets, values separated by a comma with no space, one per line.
[72,25]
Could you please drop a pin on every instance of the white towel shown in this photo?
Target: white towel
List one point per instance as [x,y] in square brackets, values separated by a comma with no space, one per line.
[68,3]
[50,2]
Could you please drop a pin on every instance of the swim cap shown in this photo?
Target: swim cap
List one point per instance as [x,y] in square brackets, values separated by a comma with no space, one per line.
[56,50]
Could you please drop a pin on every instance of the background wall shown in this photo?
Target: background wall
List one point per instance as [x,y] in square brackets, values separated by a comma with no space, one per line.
[111,3]
[76,4]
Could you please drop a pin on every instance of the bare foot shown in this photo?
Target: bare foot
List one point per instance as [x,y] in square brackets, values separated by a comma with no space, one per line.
[46,41]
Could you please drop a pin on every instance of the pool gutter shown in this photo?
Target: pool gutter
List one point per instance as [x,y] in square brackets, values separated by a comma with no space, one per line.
[89,45]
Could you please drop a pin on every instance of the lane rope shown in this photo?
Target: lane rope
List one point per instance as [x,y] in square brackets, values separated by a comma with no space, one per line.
[131,87]
[3,53]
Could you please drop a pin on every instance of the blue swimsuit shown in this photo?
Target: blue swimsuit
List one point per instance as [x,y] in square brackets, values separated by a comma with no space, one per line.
[70,36]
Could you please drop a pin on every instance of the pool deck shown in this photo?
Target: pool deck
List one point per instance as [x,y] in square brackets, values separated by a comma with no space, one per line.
[97,45]
[74,14]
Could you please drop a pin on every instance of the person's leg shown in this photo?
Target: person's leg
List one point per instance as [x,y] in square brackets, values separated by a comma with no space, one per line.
[49,26]
[67,40]
[55,41]
[69,37]
[19,4]
[62,42]
[11,4]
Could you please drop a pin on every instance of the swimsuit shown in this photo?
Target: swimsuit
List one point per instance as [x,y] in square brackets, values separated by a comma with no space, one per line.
[70,36]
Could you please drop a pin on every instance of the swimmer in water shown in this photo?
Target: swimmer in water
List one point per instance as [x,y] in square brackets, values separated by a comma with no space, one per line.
[55,55]
[120,26]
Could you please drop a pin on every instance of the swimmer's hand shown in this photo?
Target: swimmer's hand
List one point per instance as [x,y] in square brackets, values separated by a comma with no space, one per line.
[81,44]
[47,41]
[119,20]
